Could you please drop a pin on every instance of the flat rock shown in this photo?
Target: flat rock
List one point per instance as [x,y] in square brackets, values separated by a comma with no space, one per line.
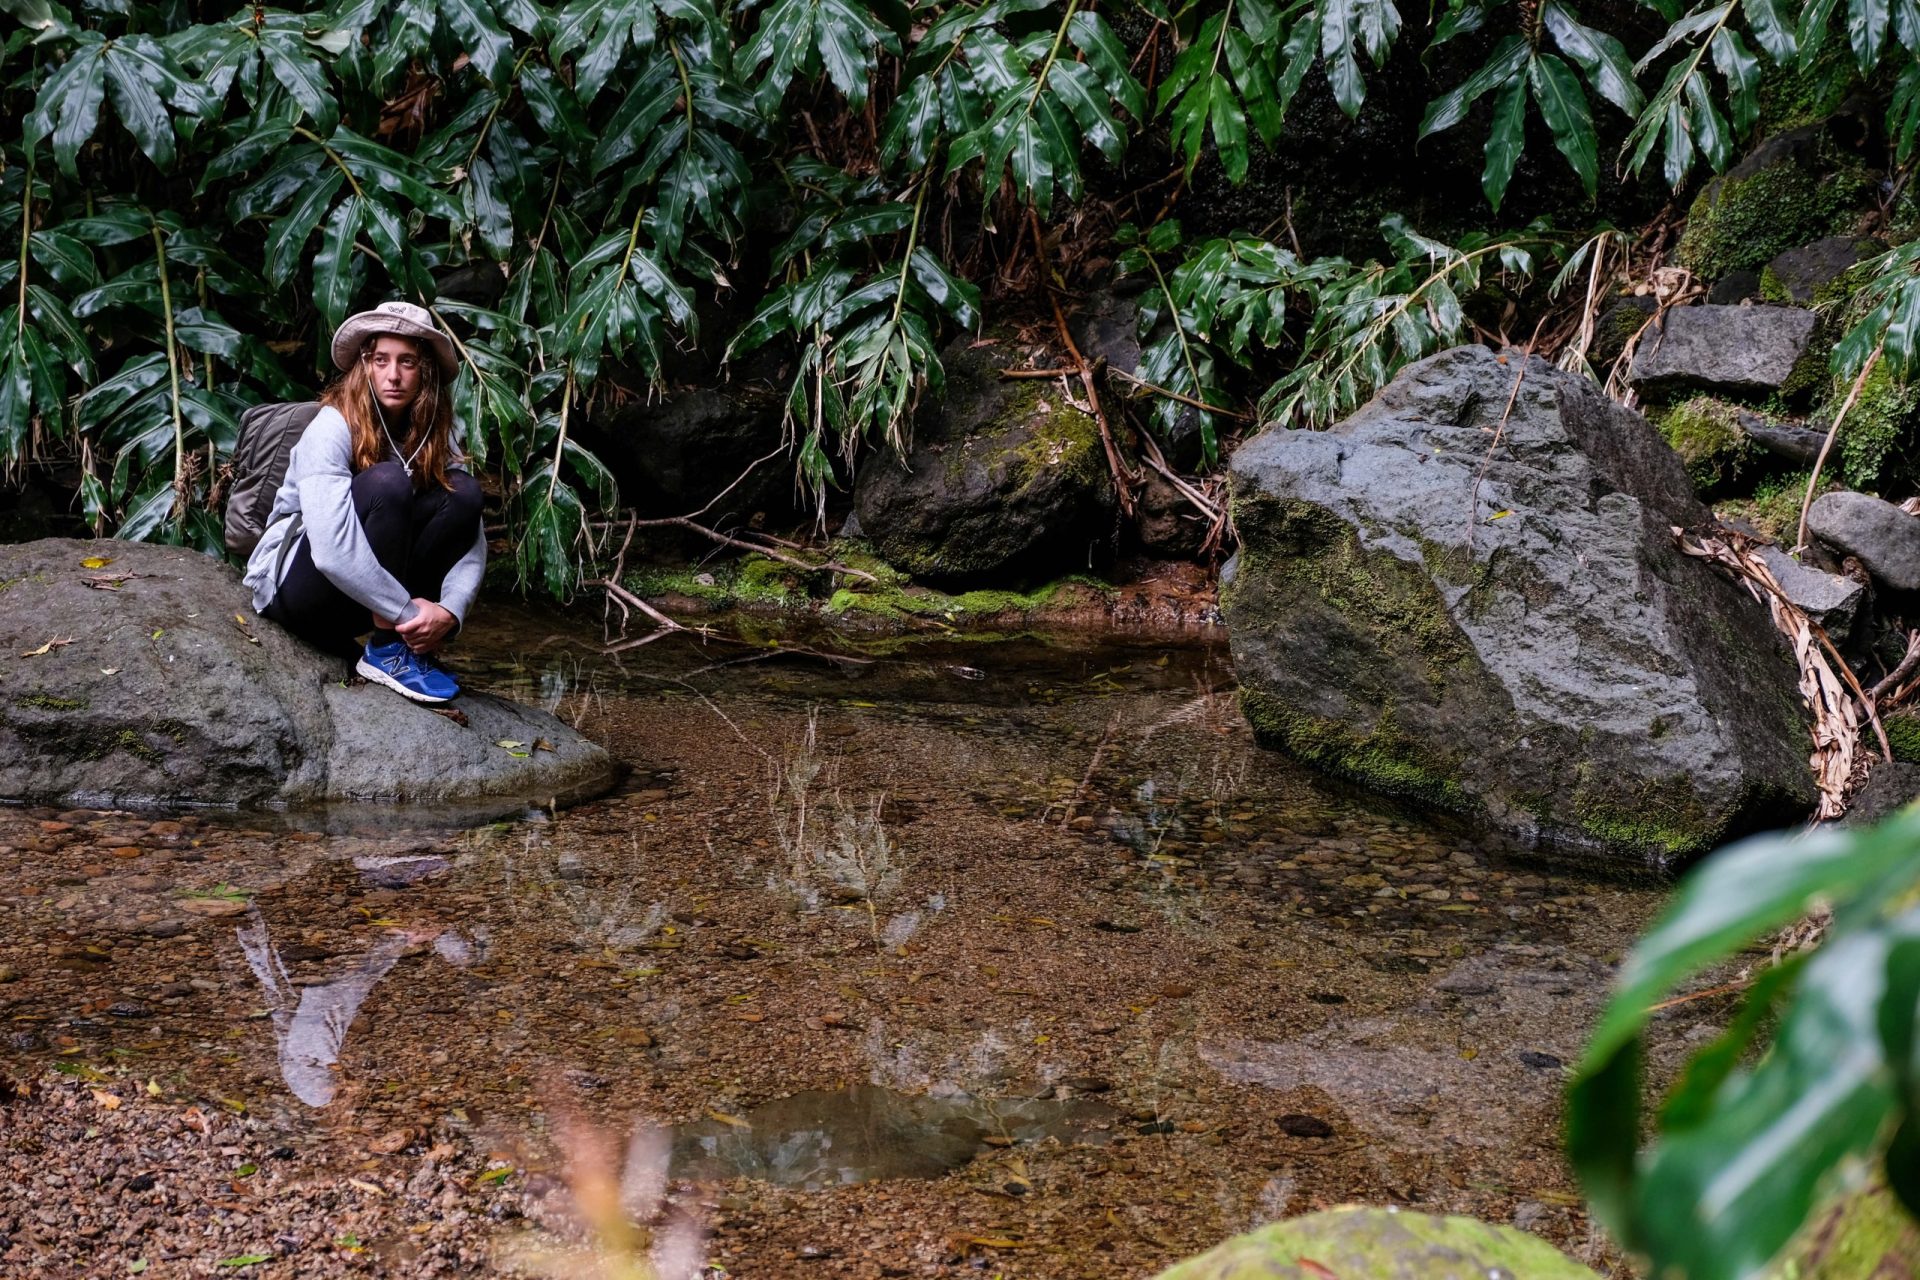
[168,691]
[1802,274]
[1791,443]
[1380,1244]
[1731,350]
[1884,538]
[1828,598]
[1509,633]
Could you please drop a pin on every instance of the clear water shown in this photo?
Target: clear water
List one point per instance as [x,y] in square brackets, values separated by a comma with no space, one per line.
[865,926]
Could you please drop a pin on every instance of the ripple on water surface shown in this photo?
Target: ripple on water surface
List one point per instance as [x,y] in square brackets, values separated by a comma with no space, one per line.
[1023,942]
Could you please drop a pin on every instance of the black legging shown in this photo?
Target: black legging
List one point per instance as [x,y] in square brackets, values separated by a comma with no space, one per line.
[416,534]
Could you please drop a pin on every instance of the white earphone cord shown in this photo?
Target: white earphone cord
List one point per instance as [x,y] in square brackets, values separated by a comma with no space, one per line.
[406,463]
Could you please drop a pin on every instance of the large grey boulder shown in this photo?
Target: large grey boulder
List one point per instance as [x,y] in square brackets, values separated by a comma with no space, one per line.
[166,690]
[1484,611]
[1730,350]
[1005,480]
[1885,538]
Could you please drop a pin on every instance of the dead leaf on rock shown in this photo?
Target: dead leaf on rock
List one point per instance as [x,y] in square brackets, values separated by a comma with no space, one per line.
[48,647]
[454,714]
[541,744]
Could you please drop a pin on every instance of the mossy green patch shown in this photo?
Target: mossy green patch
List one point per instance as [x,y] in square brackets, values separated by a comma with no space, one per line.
[1774,507]
[1903,735]
[1743,223]
[1879,432]
[897,601]
[51,702]
[1863,1237]
[1794,95]
[754,581]
[1299,546]
[1706,433]
[762,585]
[1381,758]
[1380,1244]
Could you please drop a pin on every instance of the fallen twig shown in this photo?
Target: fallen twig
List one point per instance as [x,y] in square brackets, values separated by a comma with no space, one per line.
[1486,459]
[1909,663]
[1123,476]
[1813,477]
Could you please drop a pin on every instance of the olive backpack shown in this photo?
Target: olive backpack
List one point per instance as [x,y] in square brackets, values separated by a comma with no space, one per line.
[268,433]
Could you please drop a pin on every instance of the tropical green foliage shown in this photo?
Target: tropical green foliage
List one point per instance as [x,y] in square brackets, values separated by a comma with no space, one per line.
[1816,1081]
[193,197]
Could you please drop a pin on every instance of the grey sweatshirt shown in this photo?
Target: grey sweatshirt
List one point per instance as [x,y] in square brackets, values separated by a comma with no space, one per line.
[318,488]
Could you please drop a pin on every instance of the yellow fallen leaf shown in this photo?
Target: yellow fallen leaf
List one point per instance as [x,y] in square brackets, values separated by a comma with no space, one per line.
[96,562]
[369,1187]
[724,1118]
[509,743]
[153,1088]
[48,647]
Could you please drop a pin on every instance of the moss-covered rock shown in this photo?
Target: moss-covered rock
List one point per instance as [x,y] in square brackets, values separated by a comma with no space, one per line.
[1866,1236]
[1706,433]
[1878,437]
[1790,190]
[1380,1244]
[1006,481]
[1509,635]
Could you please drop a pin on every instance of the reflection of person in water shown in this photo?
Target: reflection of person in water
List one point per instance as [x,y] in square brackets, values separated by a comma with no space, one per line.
[312,1028]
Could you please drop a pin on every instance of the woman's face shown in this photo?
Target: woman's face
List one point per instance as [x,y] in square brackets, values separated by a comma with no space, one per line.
[394,371]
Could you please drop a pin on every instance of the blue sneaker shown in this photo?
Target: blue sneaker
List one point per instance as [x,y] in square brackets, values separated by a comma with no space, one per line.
[409,674]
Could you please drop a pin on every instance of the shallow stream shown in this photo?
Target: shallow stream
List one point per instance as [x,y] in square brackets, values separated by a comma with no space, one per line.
[1017,955]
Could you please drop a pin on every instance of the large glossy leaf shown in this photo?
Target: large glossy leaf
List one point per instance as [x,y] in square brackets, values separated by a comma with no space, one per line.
[333,265]
[1735,896]
[1564,107]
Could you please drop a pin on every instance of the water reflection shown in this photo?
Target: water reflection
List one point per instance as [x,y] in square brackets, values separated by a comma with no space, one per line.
[821,1139]
[311,1026]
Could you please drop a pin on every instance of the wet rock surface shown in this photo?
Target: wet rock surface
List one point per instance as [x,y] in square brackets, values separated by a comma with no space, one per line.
[1005,480]
[138,674]
[1885,538]
[373,1053]
[1468,594]
[1732,350]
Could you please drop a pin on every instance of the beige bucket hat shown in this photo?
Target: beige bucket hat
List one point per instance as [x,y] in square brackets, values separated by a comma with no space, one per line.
[402,318]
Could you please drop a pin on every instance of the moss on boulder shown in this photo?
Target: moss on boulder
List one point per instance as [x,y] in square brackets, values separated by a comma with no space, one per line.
[1866,1236]
[1005,481]
[1788,191]
[1511,636]
[1706,433]
[1380,1244]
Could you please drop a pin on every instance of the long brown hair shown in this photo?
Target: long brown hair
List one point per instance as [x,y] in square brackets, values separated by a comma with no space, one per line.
[429,417]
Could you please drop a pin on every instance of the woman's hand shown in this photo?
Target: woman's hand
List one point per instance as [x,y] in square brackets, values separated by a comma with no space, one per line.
[428,628]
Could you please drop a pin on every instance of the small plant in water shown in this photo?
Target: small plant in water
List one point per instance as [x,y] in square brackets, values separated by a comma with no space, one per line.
[830,843]
[618,1206]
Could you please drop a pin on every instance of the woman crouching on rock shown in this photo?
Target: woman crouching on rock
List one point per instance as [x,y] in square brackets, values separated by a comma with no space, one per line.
[377,524]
